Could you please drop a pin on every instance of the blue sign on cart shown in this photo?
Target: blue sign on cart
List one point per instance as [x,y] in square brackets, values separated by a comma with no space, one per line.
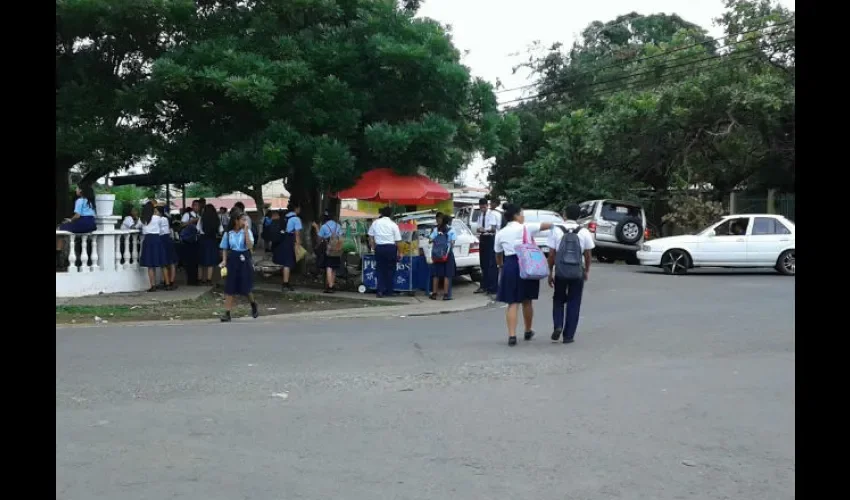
[402,278]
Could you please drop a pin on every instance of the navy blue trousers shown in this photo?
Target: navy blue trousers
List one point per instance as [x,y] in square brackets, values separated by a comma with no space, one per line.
[385,265]
[567,296]
[487,262]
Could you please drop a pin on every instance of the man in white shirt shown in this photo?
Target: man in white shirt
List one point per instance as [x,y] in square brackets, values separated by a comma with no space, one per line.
[489,222]
[192,217]
[383,238]
[568,292]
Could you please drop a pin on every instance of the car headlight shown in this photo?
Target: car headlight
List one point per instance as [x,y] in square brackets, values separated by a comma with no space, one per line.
[646,248]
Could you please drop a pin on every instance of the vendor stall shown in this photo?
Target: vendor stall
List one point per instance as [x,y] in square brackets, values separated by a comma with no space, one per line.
[385,186]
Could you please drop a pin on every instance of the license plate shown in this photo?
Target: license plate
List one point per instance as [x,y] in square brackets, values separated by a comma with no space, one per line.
[464,249]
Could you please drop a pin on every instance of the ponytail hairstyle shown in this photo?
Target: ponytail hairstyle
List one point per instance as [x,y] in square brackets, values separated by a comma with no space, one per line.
[445,224]
[147,213]
[510,212]
[88,193]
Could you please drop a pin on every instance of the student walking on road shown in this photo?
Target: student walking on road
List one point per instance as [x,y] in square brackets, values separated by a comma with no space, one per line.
[569,265]
[384,236]
[513,290]
[236,247]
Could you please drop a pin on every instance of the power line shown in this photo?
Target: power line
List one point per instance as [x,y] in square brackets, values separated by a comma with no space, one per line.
[632,75]
[646,82]
[666,52]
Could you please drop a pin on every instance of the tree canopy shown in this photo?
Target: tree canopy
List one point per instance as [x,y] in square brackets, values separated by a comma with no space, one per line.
[317,92]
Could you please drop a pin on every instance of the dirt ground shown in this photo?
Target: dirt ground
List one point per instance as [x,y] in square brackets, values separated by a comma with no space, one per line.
[209,305]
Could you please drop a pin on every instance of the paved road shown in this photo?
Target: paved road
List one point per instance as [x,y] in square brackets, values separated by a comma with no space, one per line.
[677,388]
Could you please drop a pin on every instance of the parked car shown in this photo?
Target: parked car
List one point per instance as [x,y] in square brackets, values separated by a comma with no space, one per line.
[466,247]
[542,216]
[741,240]
[618,228]
[469,215]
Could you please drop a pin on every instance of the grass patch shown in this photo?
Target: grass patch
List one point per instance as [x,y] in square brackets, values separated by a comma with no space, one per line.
[207,306]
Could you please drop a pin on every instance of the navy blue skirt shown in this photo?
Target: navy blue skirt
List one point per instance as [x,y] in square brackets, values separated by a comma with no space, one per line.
[283,253]
[512,288]
[444,269]
[169,248]
[153,253]
[80,225]
[329,262]
[207,251]
[240,273]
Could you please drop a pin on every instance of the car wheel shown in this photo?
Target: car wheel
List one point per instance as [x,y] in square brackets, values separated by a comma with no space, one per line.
[476,276]
[675,262]
[605,259]
[787,263]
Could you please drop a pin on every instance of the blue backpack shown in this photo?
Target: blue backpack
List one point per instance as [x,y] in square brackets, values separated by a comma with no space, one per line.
[189,234]
[440,249]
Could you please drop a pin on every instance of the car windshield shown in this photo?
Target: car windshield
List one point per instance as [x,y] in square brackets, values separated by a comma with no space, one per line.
[710,228]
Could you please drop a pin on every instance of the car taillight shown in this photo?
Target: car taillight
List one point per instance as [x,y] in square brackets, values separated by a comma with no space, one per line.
[646,234]
[591,227]
[473,248]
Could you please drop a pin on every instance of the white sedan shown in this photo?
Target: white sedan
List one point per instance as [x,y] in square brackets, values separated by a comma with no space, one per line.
[740,240]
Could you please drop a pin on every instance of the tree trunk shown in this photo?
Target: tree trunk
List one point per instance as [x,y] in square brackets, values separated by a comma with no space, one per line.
[305,196]
[256,194]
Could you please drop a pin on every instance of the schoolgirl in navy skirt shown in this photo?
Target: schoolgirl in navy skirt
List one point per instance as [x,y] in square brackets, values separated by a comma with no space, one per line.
[170,271]
[209,227]
[512,289]
[284,252]
[153,253]
[237,260]
[443,271]
[82,222]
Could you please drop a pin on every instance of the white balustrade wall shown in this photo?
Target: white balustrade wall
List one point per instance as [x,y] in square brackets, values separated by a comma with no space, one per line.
[105,261]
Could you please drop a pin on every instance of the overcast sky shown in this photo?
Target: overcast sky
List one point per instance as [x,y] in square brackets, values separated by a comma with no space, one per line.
[491,31]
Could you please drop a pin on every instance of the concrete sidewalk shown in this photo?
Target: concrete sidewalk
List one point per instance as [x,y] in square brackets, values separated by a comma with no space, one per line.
[419,305]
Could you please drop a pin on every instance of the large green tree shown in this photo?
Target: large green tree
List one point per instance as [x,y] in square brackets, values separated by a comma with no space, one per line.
[317,92]
[104,49]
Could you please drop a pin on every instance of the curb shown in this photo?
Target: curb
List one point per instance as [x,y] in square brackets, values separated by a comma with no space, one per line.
[354,313]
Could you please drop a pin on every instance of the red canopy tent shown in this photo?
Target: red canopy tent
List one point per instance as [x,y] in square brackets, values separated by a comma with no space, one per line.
[384,185]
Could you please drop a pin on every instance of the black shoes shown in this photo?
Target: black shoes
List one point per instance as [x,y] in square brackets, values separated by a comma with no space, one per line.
[511,341]
[286,287]
[529,335]
[556,335]
[480,290]
[568,341]
[226,317]
[255,312]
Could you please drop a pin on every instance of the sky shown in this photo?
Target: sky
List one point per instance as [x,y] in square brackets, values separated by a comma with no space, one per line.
[497,34]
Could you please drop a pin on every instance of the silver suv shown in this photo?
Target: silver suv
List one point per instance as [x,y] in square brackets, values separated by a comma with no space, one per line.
[618,227]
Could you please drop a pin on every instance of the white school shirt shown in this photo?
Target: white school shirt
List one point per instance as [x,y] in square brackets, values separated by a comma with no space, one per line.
[585,239]
[188,216]
[129,223]
[164,226]
[385,231]
[152,227]
[511,235]
[494,220]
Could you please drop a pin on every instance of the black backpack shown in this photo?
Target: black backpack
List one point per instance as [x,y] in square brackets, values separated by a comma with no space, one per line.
[568,258]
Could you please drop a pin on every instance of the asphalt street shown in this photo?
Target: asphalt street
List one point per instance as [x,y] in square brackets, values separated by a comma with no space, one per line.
[676,388]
